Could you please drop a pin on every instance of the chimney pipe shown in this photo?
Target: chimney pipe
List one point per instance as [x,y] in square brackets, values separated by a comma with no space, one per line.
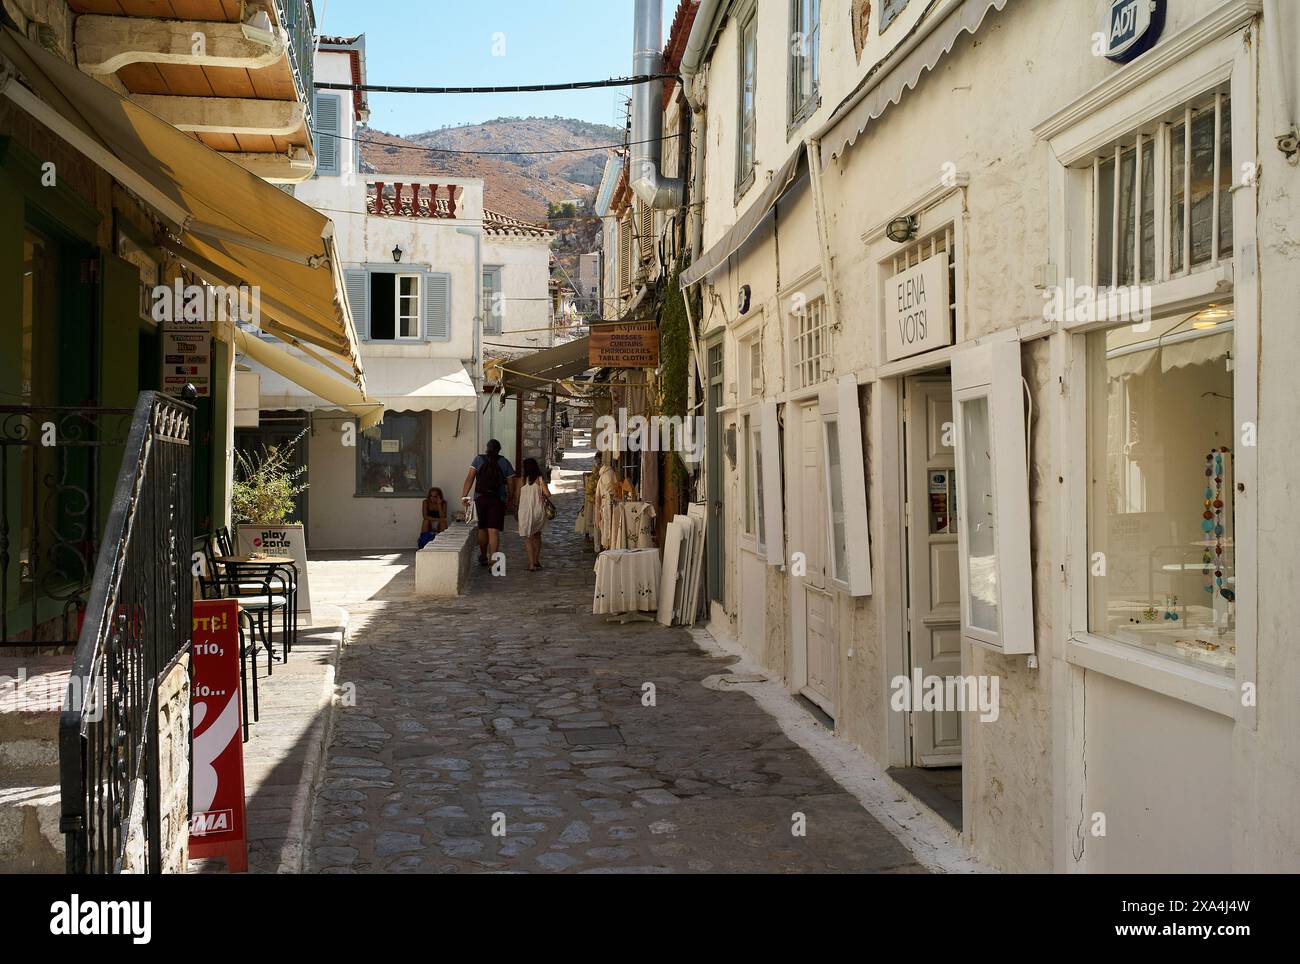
[644,175]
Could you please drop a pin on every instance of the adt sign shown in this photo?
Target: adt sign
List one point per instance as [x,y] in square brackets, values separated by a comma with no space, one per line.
[1131,27]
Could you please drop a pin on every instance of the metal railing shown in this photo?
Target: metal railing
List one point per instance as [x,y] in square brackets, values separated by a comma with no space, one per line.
[137,624]
[299,22]
[52,460]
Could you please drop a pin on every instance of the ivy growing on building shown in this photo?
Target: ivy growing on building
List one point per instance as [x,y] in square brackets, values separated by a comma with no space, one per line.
[675,362]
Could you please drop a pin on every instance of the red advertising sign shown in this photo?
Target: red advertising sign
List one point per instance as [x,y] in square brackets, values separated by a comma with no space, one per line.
[217,825]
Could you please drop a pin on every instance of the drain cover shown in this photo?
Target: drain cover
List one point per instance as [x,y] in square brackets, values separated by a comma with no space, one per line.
[593,736]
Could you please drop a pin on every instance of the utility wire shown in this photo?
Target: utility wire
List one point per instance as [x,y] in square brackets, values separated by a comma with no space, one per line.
[453,150]
[515,89]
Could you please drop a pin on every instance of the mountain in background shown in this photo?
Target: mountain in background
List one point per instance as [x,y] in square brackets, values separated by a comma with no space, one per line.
[515,183]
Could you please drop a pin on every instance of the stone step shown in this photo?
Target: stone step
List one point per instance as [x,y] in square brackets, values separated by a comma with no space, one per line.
[31,695]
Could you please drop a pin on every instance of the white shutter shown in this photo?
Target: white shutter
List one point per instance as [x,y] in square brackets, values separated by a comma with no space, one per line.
[437,305]
[853,478]
[773,485]
[989,377]
[356,281]
[326,118]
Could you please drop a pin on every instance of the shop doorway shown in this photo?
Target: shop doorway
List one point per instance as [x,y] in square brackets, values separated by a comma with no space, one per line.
[816,675]
[278,429]
[933,584]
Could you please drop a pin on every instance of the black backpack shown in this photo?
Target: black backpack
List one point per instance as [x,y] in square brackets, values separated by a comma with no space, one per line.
[489,478]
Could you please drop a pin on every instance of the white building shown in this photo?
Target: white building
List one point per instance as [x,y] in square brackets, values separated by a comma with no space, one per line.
[431,278]
[952,459]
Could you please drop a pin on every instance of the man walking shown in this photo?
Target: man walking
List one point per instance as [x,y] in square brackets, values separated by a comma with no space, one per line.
[489,474]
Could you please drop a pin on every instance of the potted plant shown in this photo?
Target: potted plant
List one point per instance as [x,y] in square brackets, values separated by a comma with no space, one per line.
[266,485]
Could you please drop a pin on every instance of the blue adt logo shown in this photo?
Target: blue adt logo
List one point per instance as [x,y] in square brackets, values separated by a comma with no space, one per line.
[1131,27]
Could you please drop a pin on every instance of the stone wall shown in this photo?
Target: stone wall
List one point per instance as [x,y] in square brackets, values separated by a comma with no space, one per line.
[173,780]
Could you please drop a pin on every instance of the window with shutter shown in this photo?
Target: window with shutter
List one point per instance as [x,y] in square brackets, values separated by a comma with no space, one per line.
[327,118]
[494,307]
[356,282]
[647,231]
[437,305]
[625,257]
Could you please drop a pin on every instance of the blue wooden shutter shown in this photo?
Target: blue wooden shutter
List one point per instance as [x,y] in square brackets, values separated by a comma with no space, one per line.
[326,120]
[357,283]
[437,305]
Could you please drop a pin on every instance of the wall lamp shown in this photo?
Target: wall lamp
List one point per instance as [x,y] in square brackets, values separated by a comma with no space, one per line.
[397,252]
[901,229]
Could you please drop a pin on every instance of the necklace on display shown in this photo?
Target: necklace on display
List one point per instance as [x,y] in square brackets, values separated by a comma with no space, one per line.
[1212,525]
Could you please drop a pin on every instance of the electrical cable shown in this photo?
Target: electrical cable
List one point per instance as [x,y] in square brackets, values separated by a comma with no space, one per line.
[452,150]
[513,89]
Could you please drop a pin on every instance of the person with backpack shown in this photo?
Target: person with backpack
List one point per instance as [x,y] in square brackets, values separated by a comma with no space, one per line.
[489,475]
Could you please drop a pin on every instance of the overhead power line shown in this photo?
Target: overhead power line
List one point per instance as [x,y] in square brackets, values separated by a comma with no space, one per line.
[453,150]
[515,89]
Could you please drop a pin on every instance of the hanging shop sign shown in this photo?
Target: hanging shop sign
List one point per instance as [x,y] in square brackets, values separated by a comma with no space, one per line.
[1131,28]
[624,344]
[285,542]
[916,309]
[187,354]
[217,819]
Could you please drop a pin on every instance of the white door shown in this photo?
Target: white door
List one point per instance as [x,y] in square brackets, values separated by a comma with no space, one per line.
[934,582]
[818,625]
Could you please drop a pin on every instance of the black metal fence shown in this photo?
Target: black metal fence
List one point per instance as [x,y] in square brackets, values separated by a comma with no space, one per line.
[136,625]
[53,465]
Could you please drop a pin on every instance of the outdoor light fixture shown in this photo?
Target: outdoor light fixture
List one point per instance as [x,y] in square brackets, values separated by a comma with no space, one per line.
[902,229]
[259,29]
[397,252]
[1211,316]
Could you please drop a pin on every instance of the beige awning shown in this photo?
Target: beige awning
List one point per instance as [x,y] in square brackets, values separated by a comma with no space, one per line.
[739,233]
[399,384]
[540,371]
[228,224]
[302,373]
[901,71]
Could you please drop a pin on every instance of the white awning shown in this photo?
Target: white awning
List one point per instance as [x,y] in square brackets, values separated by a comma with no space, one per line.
[290,382]
[901,71]
[399,384]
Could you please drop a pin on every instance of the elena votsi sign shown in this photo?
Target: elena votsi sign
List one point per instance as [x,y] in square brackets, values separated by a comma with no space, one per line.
[916,309]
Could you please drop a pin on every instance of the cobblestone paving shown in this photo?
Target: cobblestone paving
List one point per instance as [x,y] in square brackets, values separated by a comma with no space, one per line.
[514,710]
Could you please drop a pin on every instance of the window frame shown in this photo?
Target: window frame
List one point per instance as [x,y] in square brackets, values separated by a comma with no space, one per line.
[424,422]
[803,104]
[746,168]
[1171,75]
[493,321]
[418,278]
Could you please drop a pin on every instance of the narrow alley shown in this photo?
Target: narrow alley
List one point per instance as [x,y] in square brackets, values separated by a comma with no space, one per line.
[506,731]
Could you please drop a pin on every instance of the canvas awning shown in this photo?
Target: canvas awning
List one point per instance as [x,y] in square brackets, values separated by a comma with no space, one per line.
[422,384]
[540,370]
[899,72]
[228,224]
[300,382]
[727,245]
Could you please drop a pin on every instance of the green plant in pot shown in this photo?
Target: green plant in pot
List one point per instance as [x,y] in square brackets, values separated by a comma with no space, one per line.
[267,483]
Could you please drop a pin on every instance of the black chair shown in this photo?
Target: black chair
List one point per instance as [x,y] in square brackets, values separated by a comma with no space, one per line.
[210,587]
[263,590]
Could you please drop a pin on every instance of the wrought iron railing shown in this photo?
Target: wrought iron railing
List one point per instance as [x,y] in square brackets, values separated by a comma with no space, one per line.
[137,623]
[52,464]
[299,22]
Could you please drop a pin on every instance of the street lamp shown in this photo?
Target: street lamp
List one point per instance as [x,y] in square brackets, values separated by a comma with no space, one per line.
[397,252]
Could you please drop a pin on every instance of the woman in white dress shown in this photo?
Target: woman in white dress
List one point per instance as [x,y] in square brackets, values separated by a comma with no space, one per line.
[533,496]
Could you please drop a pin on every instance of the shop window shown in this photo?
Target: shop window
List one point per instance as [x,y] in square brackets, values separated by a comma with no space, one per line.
[494,303]
[813,342]
[1162,202]
[393,458]
[747,79]
[1161,528]
[993,498]
[805,58]
[846,488]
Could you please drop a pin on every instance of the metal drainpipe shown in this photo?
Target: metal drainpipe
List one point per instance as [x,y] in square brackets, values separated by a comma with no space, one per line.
[477,374]
[644,171]
[1284,124]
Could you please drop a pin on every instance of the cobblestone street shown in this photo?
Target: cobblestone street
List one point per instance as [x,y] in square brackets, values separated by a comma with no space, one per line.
[506,731]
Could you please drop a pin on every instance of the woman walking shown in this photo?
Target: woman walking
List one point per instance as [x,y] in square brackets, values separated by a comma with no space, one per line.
[533,496]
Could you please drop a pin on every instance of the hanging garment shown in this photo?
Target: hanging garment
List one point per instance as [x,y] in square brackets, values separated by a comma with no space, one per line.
[639,525]
[607,486]
[650,478]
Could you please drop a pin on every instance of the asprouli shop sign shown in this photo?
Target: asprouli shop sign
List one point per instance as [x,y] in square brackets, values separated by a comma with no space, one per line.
[916,309]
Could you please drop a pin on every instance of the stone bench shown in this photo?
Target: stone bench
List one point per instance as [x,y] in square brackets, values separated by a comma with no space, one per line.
[442,567]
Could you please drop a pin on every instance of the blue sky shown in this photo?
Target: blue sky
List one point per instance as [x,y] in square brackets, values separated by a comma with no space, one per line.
[451,42]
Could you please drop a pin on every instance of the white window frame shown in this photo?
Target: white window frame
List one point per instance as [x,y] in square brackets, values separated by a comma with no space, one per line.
[748,510]
[494,304]
[747,21]
[397,306]
[838,406]
[992,372]
[1205,54]
[773,482]
[804,103]
[756,478]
